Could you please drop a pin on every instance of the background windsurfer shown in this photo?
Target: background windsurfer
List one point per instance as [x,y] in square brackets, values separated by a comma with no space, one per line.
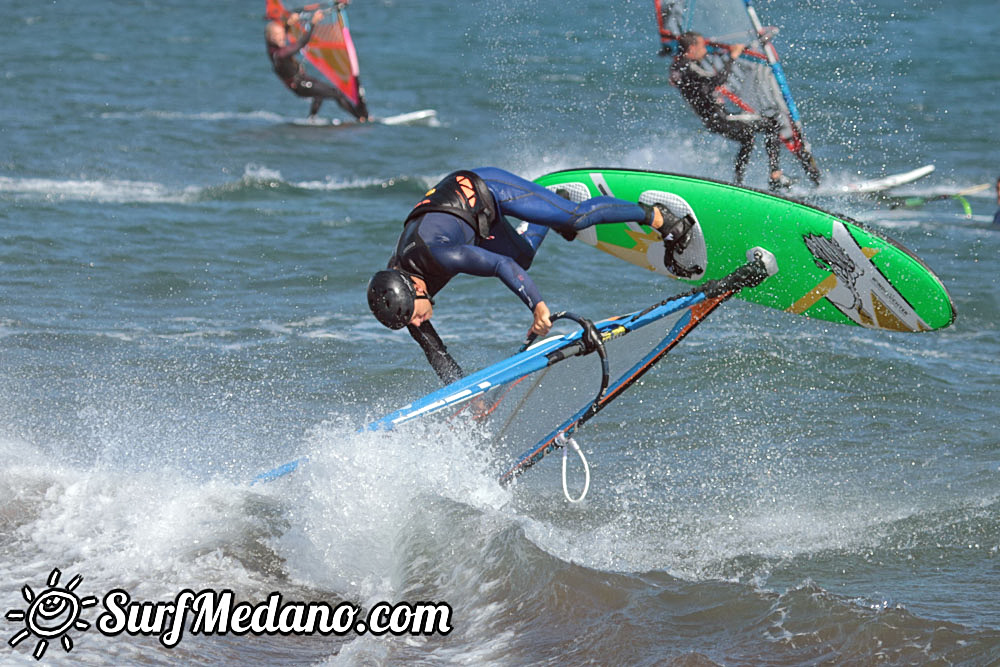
[697,84]
[459,227]
[291,71]
[996,216]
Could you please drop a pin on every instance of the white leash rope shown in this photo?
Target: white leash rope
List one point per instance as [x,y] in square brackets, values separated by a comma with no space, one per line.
[566,442]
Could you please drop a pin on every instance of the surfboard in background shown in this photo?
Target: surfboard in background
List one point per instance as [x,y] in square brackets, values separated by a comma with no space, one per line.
[914,202]
[876,185]
[419,117]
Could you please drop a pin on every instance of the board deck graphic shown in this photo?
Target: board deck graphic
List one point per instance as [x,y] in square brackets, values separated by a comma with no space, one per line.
[830,268]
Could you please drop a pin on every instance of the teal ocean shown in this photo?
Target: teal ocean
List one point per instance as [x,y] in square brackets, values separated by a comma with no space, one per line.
[182,275]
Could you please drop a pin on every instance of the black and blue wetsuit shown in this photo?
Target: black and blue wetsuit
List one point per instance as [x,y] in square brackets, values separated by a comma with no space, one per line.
[697,84]
[450,233]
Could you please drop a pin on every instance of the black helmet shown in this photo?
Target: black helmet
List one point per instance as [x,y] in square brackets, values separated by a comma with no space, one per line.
[391,296]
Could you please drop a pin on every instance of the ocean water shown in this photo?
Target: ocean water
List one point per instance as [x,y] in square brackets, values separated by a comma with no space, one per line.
[182,275]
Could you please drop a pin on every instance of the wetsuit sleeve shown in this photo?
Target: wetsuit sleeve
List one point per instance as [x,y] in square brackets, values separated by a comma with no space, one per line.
[437,354]
[525,200]
[477,261]
[723,74]
[290,50]
[693,79]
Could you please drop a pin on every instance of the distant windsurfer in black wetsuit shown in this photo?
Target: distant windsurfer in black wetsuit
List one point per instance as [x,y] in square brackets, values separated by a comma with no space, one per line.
[459,227]
[697,84]
[293,73]
[996,216]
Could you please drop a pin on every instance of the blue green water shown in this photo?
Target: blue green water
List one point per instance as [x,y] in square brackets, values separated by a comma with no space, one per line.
[182,274]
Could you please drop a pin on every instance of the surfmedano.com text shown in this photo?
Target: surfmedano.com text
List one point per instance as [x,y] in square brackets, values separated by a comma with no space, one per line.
[217,613]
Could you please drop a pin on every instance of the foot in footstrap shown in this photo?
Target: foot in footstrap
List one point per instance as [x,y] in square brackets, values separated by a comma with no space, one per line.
[676,235]
[568,234]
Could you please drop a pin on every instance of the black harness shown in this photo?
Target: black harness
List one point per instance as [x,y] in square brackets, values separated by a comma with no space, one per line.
[462,194]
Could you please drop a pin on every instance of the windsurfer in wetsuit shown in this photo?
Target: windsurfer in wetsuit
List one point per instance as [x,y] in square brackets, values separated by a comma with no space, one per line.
[459,227]
[293,73]
[996,216]
[697,84]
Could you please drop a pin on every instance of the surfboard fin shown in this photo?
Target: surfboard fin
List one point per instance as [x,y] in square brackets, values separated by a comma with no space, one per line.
[759,267]
[765,257]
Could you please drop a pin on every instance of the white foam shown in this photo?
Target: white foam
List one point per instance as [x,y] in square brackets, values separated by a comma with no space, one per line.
[150,532]
[361,490]
[200,115]
[256,172]
[331,183]
[125,191]
[114,191]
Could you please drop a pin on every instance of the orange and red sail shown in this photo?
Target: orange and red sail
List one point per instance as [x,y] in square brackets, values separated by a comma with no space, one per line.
[330,51]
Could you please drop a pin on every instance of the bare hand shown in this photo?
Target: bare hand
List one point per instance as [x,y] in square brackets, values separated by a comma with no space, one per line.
[542,323]
[736,49]
[480,409]
[318,16]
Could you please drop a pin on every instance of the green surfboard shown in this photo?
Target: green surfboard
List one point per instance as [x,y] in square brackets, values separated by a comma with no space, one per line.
[829,268]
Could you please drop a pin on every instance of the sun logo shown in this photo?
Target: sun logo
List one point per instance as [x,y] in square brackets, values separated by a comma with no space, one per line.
[51,614]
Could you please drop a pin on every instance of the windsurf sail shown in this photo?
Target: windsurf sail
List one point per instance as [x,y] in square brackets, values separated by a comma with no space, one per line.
[527,403]
[757,84]
[330,51]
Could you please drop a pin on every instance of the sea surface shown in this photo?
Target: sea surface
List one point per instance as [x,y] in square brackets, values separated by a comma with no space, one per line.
[182,275]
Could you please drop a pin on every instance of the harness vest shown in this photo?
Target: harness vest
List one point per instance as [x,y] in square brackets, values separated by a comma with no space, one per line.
[462,194]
